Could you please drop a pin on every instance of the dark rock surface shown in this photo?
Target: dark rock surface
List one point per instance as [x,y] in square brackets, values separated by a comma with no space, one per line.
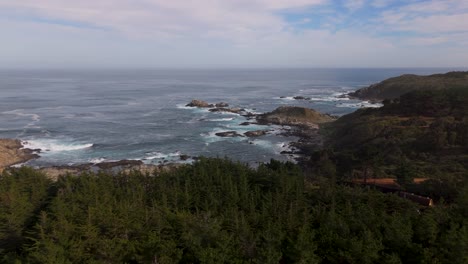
[228,134]
[184,157]
[256,133]
[246,124]
[222,104]
[120,163]
[301,98]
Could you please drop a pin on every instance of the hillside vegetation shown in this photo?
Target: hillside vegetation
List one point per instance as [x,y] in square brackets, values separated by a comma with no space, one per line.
[422,134]
[395,87]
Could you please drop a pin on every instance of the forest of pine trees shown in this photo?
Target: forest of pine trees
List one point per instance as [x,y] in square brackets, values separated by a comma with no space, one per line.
[218,211]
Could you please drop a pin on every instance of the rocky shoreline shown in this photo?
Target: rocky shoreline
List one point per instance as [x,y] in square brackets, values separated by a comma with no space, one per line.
[13,153]
[299,122]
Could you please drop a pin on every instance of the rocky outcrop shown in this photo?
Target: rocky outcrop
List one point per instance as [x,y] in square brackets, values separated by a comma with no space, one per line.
[199,103]
[12,152]
[221,107]
[294,116]
[228,134]
[395,87]
[256,133]
[222,104]
[184,157]
[120,163]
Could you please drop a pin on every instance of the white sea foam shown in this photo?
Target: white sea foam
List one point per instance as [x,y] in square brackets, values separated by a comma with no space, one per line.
[332,98]
[159,155]
[97,160]
[326,98]
[195,109]
[221,119]
[248,110]
[184,106]
[275,147]
[228,113]
[19,165]
[19,112]
[211,137]
[53,145]
[363,104]
[289,98]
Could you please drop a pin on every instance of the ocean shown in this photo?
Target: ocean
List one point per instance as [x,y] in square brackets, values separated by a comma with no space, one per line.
[92,116]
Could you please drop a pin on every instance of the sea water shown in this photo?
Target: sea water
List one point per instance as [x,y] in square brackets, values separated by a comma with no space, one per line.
[83,116]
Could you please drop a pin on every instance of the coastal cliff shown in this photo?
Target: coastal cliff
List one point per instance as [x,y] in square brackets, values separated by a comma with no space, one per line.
[394,87]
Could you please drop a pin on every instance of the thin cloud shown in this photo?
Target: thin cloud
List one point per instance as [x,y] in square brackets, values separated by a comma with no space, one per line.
[325,33]
[175,17]
[429,17]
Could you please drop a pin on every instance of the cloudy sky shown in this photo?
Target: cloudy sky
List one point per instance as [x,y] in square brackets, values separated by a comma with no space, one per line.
[233,33]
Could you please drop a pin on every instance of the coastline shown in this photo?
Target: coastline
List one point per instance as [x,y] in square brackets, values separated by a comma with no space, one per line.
[12,152]
[300,122]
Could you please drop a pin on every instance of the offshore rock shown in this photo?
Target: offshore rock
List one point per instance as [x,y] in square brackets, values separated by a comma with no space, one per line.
[222,104]
[199,103]
[256,133]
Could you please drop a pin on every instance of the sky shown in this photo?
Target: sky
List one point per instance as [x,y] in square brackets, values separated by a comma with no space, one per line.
[233,33]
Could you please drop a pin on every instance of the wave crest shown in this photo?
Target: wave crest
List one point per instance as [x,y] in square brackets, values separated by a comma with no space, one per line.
[53,145]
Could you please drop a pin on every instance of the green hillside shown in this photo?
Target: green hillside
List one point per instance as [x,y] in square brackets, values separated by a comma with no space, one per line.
[421,134]
[395,87]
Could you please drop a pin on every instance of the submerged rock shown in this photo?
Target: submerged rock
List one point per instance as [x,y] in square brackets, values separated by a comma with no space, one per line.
[301,98]
[245,124]
[228,110]
[228,134]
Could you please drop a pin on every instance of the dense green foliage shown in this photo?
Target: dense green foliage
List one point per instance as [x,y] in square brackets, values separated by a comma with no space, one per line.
[421,134]
[217,211]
